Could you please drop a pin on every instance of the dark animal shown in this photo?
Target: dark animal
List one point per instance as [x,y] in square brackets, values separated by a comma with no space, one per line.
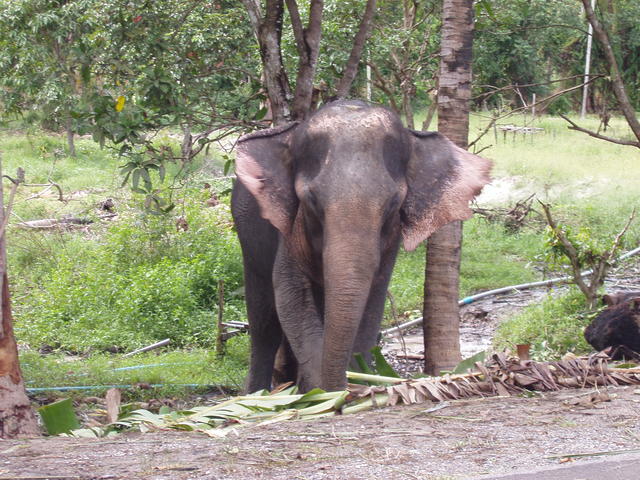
[320,209]
[611,299]
[618,324]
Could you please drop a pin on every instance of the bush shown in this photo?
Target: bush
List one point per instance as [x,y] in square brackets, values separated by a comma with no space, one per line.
[552,327]
[142,281]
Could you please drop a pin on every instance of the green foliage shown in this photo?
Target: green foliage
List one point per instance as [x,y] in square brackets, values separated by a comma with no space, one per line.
[522,42]
[552,327]
[44,48]
[588,248]
[59,417]
[143,282]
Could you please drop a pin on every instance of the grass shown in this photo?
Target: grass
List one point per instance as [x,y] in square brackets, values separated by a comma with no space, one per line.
[171,369]
[491,258]
[88,178]
[552,327]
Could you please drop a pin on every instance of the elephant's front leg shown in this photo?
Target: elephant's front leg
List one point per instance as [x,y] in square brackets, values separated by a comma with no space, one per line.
[299,318]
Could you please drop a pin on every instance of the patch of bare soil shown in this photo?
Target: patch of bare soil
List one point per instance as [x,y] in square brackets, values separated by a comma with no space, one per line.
[464,439]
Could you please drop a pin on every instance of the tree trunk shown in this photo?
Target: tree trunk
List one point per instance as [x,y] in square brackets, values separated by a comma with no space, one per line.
[70,138]
[441,313]
[360,39]
[616,78]
[308,45]
[268,31]
[16,416]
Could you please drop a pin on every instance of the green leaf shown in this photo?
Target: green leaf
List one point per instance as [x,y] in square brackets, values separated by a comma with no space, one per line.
[135,179]
[85,73]
[147,179]
[261,113]
[469,363]
[362,364]
[486,5]
[382,366]
[59,417]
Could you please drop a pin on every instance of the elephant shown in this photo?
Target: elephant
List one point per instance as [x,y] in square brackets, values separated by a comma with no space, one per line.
[320,208]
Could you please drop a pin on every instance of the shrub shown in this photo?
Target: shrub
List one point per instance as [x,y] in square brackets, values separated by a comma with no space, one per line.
[142,280]
[552,327]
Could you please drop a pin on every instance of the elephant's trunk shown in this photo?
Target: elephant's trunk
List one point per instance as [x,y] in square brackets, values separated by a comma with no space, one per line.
[349,269]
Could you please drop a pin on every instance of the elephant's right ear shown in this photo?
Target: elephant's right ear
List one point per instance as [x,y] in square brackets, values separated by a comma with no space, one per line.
[263,165]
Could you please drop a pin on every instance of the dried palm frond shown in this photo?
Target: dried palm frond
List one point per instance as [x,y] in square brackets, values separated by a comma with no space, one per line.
[500,375]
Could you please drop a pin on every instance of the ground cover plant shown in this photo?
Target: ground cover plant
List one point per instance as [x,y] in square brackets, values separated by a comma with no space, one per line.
[163,374]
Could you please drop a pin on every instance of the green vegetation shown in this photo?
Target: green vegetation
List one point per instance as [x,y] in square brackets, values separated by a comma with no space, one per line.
[552,327]
[491,258]
[144,283]
[172,370]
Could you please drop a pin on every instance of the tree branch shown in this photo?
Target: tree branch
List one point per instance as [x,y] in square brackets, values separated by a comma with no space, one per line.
[308,45]
[268,31]
[593,134]
[571,251]
[360,39]
[616,79]
[383,85]
[298,29]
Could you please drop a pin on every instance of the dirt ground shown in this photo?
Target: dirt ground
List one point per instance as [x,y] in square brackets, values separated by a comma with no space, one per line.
[465,439]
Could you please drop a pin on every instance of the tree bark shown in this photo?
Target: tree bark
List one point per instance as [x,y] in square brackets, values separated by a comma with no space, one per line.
[360,39]
[616,79]
[70,138]
[268,31]
[441,312]
[16,416]
[308,45]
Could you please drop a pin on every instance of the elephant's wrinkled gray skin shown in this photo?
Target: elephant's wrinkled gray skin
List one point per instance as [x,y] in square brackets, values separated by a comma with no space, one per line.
[320,208]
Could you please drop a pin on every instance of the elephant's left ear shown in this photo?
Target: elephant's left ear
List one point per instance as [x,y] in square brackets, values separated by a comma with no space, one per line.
[442,179]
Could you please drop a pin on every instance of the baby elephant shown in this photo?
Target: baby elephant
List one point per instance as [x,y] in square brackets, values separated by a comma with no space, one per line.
[618,324]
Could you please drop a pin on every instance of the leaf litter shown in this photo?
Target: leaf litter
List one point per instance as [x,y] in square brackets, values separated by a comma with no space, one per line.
[500,375]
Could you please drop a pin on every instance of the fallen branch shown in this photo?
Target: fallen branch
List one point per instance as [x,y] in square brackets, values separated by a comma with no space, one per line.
[50,223]
[575,126]
[501,376]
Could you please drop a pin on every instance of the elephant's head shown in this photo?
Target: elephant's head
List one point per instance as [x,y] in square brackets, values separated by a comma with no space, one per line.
[344,188]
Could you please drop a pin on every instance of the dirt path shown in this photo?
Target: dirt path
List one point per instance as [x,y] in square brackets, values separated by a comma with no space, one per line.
[465,439]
